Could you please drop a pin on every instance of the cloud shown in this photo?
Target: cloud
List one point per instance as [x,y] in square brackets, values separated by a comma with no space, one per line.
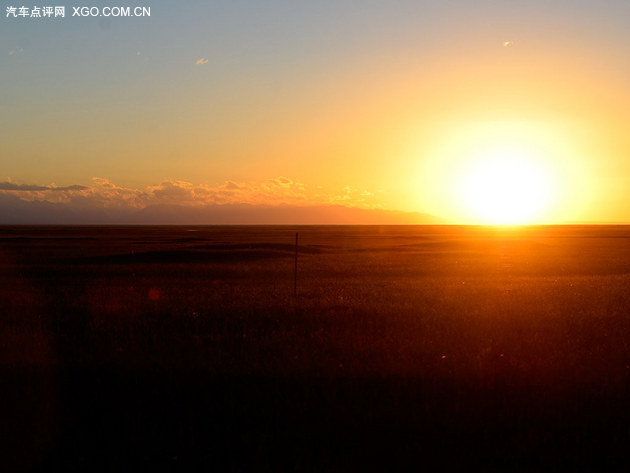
[101,193]
[75,187]
[201,61]
[282,181]
[104,194]
[231,185]
[268,192]
[10,186]
[109,195]
[177,190]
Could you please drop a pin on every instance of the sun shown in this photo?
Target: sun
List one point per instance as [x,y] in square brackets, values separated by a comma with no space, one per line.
[505,186]
[501,172]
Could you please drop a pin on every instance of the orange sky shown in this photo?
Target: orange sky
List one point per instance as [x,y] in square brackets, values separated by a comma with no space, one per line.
[373,104]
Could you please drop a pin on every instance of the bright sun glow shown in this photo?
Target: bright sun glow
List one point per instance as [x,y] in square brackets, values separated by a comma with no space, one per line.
[505,187]
[502,172]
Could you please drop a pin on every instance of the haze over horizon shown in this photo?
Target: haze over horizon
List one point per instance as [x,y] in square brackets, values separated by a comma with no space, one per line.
[484,112]
[17,211]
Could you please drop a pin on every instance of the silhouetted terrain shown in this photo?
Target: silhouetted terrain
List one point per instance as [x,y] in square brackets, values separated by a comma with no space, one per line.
[426,348]
[15,211]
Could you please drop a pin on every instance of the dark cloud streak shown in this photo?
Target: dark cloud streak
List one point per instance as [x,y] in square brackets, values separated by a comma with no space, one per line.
[10,186]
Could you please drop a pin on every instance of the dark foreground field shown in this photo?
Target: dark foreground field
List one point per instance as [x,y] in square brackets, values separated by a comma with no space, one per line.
[421,348]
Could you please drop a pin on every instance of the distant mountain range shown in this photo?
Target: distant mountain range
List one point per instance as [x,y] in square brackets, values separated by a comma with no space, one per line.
[15,211]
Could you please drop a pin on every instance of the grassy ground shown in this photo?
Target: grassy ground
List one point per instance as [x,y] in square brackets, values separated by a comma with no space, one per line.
[405,348]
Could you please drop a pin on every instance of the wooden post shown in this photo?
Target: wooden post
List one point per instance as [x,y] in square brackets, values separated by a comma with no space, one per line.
[295,268]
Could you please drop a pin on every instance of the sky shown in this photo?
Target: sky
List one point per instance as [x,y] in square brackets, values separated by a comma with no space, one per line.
[400,104]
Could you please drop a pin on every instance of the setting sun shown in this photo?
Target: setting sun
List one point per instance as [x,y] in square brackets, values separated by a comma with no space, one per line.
[505,187]
[502,171]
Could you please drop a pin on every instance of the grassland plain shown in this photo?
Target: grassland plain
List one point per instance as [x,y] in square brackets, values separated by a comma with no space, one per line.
[431,347]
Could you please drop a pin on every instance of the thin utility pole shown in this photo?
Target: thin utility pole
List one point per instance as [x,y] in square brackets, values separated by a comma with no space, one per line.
[295,269]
